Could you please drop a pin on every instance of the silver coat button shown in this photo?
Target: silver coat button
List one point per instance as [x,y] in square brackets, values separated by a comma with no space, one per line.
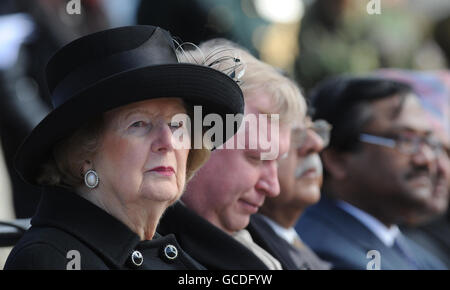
[171,252]
[137,258]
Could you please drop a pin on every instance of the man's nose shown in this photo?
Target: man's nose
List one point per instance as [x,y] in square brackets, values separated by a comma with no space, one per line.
[313,144]
[443,164]
[426,156]
[268,181]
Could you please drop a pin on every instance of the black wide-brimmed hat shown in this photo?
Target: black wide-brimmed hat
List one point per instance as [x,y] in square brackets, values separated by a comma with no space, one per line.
[113,68]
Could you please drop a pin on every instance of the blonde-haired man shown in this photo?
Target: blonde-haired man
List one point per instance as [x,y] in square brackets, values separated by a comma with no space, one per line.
[210,221]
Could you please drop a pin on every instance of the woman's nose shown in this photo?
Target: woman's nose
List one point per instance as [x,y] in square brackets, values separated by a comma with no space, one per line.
[163,140]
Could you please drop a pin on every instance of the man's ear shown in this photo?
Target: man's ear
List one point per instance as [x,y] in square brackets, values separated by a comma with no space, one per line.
[335,163]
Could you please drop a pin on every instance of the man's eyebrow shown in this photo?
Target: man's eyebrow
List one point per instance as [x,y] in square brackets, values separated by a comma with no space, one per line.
[412,130]
[268,113]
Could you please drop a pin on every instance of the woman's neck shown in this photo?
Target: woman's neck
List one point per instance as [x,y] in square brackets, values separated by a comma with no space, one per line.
[140,216]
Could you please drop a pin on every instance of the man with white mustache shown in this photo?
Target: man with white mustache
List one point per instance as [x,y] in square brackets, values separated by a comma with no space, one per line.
[300,177]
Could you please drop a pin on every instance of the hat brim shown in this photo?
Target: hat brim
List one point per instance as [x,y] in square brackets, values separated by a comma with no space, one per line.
[197,85]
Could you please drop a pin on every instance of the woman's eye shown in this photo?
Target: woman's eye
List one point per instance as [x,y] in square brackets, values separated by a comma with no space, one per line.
[139,124]
[176,125]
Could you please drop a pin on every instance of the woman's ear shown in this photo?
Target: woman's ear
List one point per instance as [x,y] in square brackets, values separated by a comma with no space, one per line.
[87,165]
[335,163]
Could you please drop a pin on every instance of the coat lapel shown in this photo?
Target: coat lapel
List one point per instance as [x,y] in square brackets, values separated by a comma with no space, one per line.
[363,238]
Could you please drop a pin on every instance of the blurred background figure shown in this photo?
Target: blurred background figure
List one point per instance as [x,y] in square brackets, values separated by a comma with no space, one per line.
[432,229]
[441,32]
[207,19]
[300,177]
[6,204]
[268,29]
[315,39]
[340,36]
[29,33]
[380,170]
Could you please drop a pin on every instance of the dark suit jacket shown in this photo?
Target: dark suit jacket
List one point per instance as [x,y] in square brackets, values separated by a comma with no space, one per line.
[439,231]
[65,221]
[341,239]
[206,243]
[290,257]
[434,236]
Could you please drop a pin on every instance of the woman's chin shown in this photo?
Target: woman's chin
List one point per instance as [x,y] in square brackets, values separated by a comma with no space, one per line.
[162,192]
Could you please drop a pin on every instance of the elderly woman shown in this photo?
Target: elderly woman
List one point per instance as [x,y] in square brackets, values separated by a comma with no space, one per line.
[107,155]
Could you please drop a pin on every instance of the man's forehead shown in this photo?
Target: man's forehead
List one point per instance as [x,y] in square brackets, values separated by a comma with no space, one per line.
[396,113]
[301,123]
[413,116]
[260,100]
[260,105]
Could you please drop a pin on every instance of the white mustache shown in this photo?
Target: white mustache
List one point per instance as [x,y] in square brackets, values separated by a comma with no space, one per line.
[311,161]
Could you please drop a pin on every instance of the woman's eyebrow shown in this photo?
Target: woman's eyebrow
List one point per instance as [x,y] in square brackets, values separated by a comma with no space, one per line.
[138,110]
[134,111]
[122,117]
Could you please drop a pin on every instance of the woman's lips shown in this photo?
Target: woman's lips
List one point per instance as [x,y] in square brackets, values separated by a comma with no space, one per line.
[163,170]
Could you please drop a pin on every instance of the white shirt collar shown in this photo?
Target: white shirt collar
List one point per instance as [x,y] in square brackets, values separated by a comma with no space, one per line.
[385,234]
[288,234]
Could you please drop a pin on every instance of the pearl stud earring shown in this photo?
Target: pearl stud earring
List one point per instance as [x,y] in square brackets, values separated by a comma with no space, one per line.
[91,178]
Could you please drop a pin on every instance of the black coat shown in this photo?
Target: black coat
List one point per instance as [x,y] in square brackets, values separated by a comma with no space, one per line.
[68,228]
[206,243]
[290,257]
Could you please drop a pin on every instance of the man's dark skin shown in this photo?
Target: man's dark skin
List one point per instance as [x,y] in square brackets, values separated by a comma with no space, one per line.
[384,182]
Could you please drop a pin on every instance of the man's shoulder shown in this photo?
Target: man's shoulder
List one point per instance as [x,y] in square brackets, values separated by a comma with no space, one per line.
[292,258]
[323,215]
[206,243]
[178,218]
[189,227]
[263,233]
[259,223]
[331,233]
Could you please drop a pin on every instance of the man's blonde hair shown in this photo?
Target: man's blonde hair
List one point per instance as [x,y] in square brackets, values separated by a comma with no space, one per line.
[251,73]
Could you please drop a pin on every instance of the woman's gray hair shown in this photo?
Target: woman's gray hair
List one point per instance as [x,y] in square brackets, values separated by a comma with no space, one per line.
[64,166]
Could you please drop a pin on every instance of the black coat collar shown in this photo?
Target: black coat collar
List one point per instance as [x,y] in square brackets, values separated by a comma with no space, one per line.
[72,213]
